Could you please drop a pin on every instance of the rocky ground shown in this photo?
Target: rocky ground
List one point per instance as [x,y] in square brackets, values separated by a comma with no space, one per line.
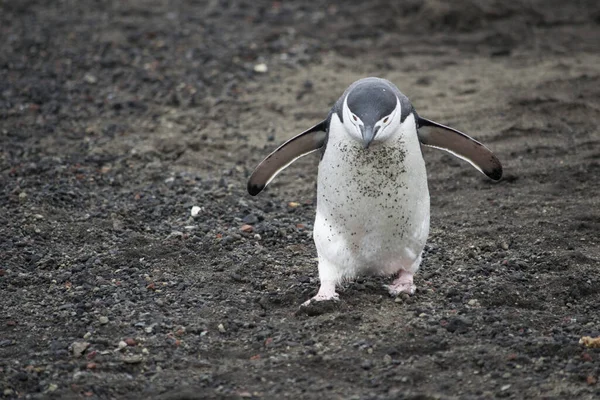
[116,118]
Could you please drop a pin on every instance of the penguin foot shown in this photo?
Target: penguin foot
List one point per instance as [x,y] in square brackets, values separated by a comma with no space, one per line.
[319,305]
[402,284]
[322,297]
[326,292]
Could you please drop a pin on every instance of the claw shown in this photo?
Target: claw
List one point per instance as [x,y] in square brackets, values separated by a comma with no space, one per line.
[395,290]
[402,284]
[322,297]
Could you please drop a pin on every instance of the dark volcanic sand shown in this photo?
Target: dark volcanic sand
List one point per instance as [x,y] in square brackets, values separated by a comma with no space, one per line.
[116,117]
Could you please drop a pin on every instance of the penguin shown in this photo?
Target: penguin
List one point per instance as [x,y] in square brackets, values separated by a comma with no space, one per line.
[373,211]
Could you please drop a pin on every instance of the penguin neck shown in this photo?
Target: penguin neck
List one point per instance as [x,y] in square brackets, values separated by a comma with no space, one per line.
[401,147]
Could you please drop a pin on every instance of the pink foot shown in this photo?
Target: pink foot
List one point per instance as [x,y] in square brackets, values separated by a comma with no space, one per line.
[326,292]
[402,284]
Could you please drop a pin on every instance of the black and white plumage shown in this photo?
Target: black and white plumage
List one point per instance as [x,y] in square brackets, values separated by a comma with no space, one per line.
[372,194]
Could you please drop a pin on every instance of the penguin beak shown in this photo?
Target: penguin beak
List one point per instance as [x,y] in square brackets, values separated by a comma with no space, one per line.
[368,134]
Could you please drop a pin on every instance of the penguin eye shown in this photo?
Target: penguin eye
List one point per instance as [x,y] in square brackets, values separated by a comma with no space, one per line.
[354,117]
[386,119]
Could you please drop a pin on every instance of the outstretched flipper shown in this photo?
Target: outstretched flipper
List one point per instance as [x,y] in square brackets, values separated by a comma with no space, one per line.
[298,146]
[462,146]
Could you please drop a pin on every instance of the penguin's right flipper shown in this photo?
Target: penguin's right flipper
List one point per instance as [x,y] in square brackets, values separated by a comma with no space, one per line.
[461,145]
[298,146]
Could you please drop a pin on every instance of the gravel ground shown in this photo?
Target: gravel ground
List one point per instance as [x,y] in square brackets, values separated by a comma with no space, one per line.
[118,117]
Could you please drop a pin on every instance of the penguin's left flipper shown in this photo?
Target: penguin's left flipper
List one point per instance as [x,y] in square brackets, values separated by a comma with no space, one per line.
[298,146]
[462,146]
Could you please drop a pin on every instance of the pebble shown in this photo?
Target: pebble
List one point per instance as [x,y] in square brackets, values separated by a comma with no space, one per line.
[122,344]
[175,234]
[87,335]
[195,211]
[221,328]
[459,325]
[89,78]
[261,68]
[133,359]
[103,320]
[250,219]
[78,348]
[247,228]
[52,387]
[130,342]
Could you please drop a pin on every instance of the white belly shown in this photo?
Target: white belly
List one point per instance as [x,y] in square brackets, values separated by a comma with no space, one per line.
[372,205]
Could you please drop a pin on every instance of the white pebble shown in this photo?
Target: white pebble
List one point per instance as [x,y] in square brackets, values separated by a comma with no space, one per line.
[261,68]
[195,211]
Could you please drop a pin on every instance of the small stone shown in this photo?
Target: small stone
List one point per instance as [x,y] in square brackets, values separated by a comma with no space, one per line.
[505,387]
[130,342]
[22,196]
[261,68]
[148,329]
[133,359]
[366,365]
[78,348]
[145,351]
[247,228]
[8,392]
[293,204]
[257,236]
[51,387]
[387,359]
[87,335]
[398,299]
[459,325]
[89,78]
[122,344]
[221,328]
[473,302]
[91,365]
[195,211]
[250,219]
[175,234]
[591,380]
[504,246]
[103,320]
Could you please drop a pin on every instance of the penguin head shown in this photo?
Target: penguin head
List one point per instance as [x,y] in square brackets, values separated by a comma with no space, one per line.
[371,111]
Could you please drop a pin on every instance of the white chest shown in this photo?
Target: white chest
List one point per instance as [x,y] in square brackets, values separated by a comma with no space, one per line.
[373,204]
